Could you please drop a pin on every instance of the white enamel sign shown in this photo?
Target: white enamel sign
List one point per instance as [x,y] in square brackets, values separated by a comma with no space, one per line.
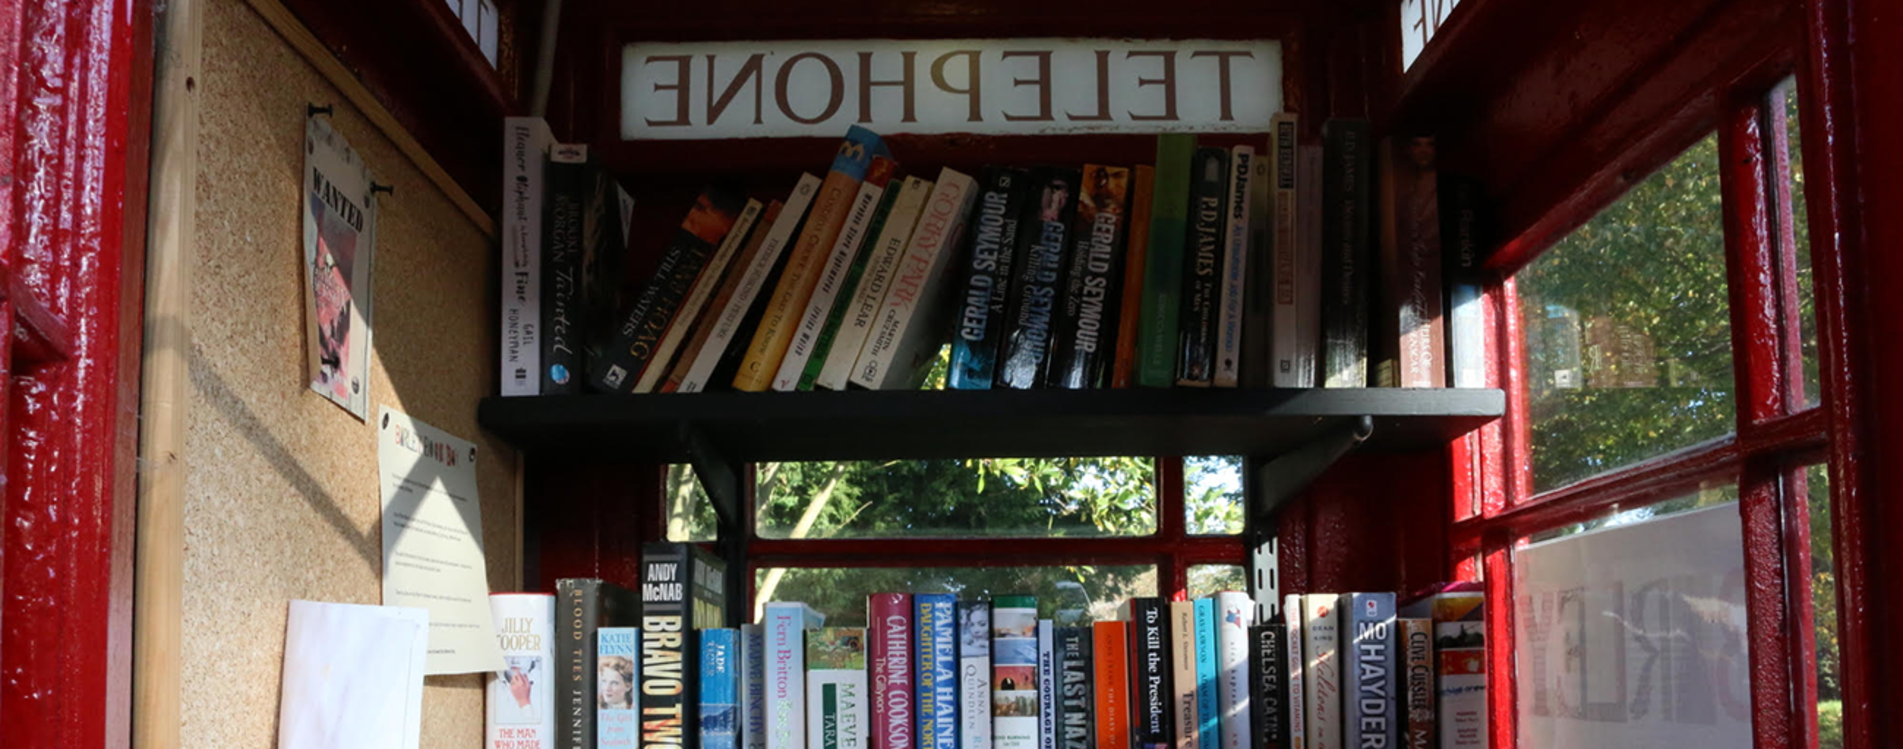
[698,91]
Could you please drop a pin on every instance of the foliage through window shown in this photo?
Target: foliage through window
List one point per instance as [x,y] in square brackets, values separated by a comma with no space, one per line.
[1212,496]
[988,497]
[1823,590]
[1209,579]
[1077,593]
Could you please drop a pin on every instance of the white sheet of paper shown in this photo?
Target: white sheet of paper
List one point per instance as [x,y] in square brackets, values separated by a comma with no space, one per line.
[353,677]
[432,541]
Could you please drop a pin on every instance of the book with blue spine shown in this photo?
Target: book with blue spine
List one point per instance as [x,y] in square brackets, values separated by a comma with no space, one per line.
[1367,675]
[1208,707]
[991,244]
[785,623]
[752,686]
[719,688]
[974,674]
[618,672]
[1235,614]
[936,618]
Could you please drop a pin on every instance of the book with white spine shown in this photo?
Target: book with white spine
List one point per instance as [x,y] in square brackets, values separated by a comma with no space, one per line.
[1321,627]
[910,328]
[786,624]
[727,325]
[521,705]
[974,674]
[1234,280]
[864,310]
[697,297]
[1235,613]
[525,148]
[1292,345]
[1292,616]
[832,275]
[838,698]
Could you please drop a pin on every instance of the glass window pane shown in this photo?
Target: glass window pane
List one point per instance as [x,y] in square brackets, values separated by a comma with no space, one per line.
[1628,334]
[1785,99]
[690,515]
[1823,590]
[1212,495]
[1206,580]
[1069,593]
[996,497]
[1633,633]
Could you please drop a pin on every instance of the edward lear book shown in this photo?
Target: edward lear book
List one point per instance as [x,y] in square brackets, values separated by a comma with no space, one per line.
[987,284]
[1202,267]
[1043,237]
[847,296]
[911,327]
[832,275]
[1087,324]
[681,591]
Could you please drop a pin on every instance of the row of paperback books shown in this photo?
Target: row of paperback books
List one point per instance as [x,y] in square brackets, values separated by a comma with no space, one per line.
[932,671]
[1215,267]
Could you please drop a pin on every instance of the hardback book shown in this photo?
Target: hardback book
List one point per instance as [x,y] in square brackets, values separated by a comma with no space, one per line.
[1077,705]
[1235,614]
[889,634]
[728,329]
[1013,685]
[1268,684]
[974,674]
[606,220]
[1163,274]
[882,258]
[682,590]
[911,329]
[848,290]
[1367,669]
[752,686]
[1258,314]
[712,312]
[1295,641]
[583,607]
[831,209]
[1295,307]
[1136,254]
[638,333]
[1184,714]
[837,699]
[786,624]
[525,148]
[1110,643]
[1347,169]
[1233,274]
[1208,675]
[1417,670]
[1047,689]
[1202,267]
[579,234]
[991,242]
[1412,331]
[720,688]
[1308,260]
[1038,277]
[1462,235]
[711,277]
[832,273]
[1152,699]
[1321,673]
[618,675]
[1458,611]
[1086,342]
[521,704]
[935,616]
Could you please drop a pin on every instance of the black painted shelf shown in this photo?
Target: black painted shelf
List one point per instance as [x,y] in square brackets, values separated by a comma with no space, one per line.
[887,425]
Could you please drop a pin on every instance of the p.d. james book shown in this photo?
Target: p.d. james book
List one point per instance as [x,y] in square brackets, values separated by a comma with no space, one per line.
[1202,264]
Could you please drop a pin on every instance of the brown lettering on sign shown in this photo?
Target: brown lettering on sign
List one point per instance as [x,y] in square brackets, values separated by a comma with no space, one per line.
[1222,67]
[1042,82]
[866,83]
[836,94]
[1103,92]
[972,89]
[748,70]
[684,75]
[1168,82]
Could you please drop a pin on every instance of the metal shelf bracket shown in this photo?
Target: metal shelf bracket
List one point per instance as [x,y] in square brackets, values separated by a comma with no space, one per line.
[1269,485]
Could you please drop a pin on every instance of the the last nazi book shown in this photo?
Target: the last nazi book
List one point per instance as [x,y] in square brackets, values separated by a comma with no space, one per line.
[682,590]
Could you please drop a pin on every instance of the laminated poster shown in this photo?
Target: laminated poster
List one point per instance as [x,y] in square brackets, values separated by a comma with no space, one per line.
[432,541]
[340,237]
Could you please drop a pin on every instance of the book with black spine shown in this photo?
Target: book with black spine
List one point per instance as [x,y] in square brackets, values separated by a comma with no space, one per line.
[1076,701]
[639,331]
[1085,346]
[582,607]
[1463,235]
[1043,237]
[729,322]
[992,241]
[1150,689]
[1347,170]
[1202,264]
[1232,275]
[1268,684]
[566,178]
[1258,322]
[682,590]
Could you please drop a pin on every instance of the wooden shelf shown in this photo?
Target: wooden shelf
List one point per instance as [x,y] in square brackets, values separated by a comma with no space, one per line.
[885,425]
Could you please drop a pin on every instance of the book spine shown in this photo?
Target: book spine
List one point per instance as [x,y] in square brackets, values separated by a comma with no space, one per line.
[863,312]
[1048,708]
[1345,192]
[1235,613]
[1109,641]
[1461,233]
[848,291]
[719,689]
[1368,683]
[1086,327]
[836,709]
[1038,278]
[890,638]
[786,624]
[1014,698]
[1267,687]
[1293,361]
[1202,263]
[1462,684]
[667,713]
[1322,672]
[1135,261]
[1295,670]
[832,274]
[974,674]
[1163,275]
[703,328]
[1413,339]
[578,602]
[524,165]
[1152,698]
[632,347]
[1258,323]
[1308,263]
[712,276]
[521,704]
[1233,278]
[986,292]
[566,175]
[1417,643]
[1208,675]
[830,211]
[937,697]
[618,673]
[1184,714]
[746,296]
[1074,650]
[753,684]
[910,329]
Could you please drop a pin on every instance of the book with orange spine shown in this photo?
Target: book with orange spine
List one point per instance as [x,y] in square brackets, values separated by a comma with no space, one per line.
[1113,684]
[729,283]
[1123,371]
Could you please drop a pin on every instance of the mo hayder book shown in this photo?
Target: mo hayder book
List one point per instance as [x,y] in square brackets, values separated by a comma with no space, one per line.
[667,352]
[1086,344]
[632,346]
[1043,239]
[582,607]
[1368,680]
[682,590]
[992,240]
[1202,265]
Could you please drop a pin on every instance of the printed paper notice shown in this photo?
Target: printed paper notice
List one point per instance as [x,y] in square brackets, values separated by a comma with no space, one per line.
[340,237]
[432,541]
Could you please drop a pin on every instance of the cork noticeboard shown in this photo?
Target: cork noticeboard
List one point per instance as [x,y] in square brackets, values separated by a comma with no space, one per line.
[281,489]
